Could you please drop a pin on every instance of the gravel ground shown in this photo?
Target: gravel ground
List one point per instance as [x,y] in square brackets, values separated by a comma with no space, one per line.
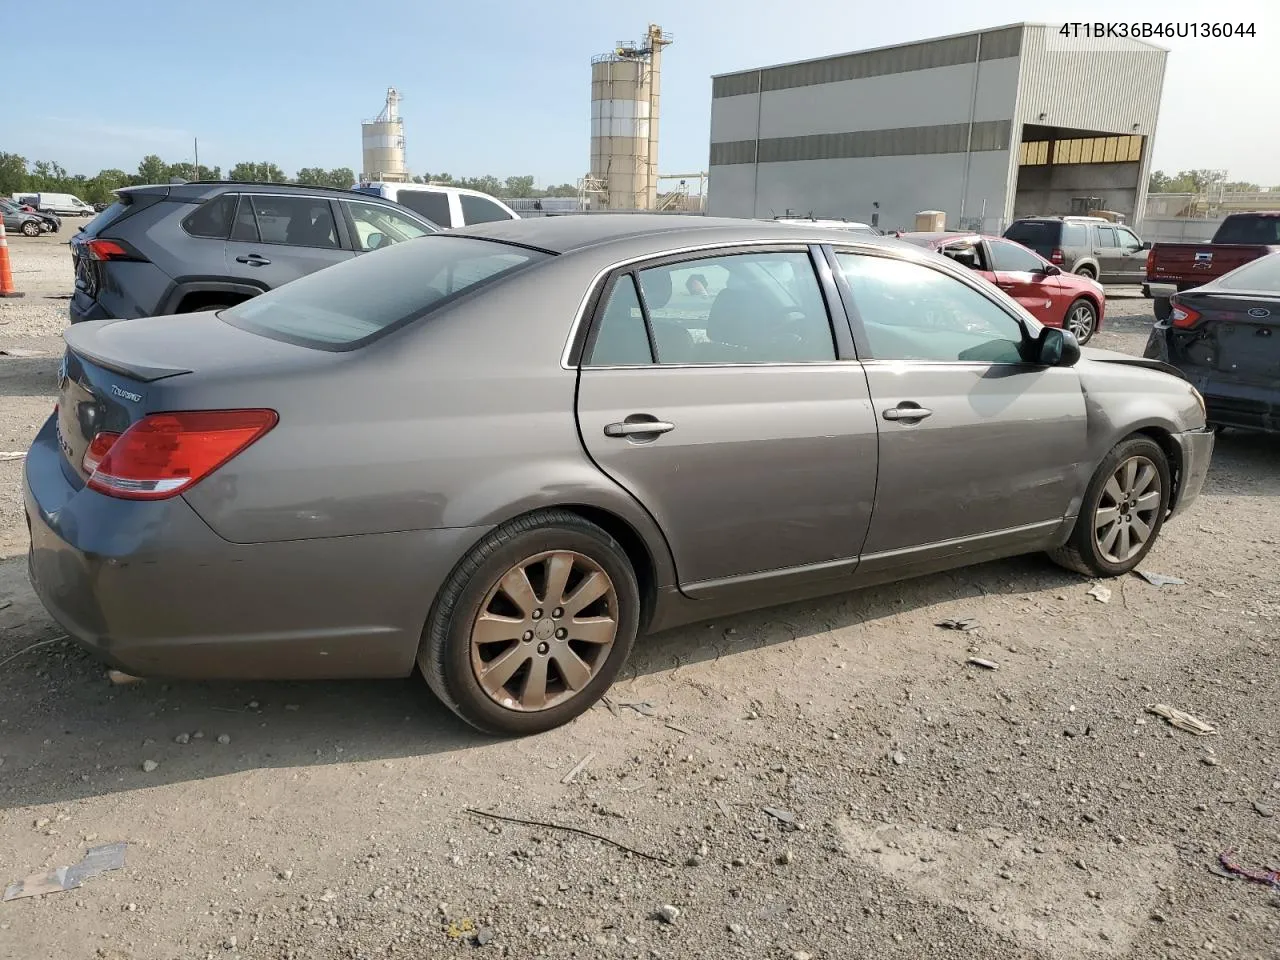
[921,806]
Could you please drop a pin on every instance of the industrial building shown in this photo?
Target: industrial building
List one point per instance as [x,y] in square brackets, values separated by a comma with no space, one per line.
[986,127]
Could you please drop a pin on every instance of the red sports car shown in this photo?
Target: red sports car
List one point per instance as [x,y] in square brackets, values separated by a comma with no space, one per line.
[1054,298]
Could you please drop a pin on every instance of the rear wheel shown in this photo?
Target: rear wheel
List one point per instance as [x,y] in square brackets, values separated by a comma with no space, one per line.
[1087,271]
[1082,320]
[1162,307]
[533,625]
[30,228]
[1122,513]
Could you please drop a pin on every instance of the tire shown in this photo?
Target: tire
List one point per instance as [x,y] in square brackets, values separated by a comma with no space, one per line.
[1085,551]
[1146,291]
[1162,307]
[30,228]
[1087,271]
[1081,319]
[539,640]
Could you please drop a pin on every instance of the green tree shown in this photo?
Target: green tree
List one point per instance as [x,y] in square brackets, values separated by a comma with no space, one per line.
[152,170]
[519,187]
[342,178]
[13,173]
[312,177]
[249,171]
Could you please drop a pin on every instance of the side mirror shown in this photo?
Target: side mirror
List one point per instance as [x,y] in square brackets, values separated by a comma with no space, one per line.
[1050,270]
[374,241]
[1146,245]
[1058,348]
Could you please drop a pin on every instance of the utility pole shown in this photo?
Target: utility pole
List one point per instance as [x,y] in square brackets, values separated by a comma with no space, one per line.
[196,141]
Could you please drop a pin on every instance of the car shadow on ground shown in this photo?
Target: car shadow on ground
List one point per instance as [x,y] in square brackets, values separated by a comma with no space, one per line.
[66,734]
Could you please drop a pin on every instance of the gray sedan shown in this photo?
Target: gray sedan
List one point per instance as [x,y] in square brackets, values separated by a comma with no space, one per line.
[501,454]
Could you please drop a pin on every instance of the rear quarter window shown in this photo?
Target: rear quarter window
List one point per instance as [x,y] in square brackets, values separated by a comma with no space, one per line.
[1074,235]
[213,218]
[432,204]
[355,302]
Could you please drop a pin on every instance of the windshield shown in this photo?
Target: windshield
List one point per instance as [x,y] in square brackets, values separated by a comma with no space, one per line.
[352,303]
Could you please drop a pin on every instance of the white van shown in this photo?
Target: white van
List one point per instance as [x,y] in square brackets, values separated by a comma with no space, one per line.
[63,204]
[444,206]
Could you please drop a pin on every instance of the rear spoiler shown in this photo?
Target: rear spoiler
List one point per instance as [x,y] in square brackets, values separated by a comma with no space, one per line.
[91,341]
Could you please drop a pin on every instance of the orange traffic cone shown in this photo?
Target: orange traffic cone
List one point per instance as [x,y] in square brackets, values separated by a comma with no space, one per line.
[6,272]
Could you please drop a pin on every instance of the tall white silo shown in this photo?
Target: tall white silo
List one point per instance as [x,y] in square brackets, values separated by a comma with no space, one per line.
[624,122]
[382,143]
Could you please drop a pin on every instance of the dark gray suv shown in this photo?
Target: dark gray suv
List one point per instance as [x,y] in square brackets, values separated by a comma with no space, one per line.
[178,248]
[1090,246]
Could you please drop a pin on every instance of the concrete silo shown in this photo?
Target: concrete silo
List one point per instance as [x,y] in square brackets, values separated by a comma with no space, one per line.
[382,143]
[624,123]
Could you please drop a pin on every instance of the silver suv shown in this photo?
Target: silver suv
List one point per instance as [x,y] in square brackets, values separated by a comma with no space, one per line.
[1090,246]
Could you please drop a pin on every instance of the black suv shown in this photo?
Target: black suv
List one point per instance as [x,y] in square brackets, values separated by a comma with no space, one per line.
[176,248]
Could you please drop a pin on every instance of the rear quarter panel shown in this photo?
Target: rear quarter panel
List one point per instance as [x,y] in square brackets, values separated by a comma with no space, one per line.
[463,419]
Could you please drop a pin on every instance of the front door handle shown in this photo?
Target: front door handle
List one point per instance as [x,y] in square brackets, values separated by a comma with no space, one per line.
[907,412]
[640,425]
[254,260]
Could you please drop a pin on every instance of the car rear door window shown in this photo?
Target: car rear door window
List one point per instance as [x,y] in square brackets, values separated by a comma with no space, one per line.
[742,308]
[909,311]
[298,221]
[432,204]
[213,218]
[620,337]
[1013,258]
[481,210]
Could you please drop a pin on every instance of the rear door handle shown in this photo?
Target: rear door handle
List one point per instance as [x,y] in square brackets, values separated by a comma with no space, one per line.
[253,260]
[636,427]
[908,412]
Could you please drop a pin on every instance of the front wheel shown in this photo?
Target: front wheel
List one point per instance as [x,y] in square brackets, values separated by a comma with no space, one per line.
[533,625]
[1123,510]
[30,229]
[1082,320]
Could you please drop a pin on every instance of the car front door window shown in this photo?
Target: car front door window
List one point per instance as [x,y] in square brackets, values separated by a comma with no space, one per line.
[913,312]
[1128,241]
[1013,258]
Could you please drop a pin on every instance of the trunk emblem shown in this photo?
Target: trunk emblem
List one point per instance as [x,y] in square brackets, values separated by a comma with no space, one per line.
[1259,313]
[125,394]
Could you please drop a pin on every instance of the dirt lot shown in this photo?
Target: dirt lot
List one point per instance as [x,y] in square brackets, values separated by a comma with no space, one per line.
[939,809]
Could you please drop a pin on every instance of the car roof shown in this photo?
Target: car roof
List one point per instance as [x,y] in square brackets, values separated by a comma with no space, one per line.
[654,232]
[429,187]
[943,236]
[201,189]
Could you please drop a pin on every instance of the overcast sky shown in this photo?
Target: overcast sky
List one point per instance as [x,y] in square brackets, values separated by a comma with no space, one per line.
[504,87]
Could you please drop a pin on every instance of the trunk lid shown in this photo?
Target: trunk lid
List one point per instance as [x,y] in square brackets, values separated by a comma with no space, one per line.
[115,372]
[1238,335]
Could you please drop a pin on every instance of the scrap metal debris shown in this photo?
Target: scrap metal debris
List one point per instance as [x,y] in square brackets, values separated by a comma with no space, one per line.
[966,624]
[577,768]
[1159,579]
[1233,866]
[1100,593]
[96,860]
[1181,719]
[984,664]
[642,707]
[577,830]
[782,816]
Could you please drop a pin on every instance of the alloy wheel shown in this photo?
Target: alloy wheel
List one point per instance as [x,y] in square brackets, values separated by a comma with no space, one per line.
[544,630]
[1080,321]
[1126,513]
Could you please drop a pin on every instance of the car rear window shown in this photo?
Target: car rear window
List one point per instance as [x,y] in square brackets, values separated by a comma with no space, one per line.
[1262,275]
[1245,229]
[1029,233]
[352,303]
[108,216]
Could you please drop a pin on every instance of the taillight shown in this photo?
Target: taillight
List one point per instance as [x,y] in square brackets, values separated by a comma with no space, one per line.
[97,450]
[1151,260]
[1056,257]
[109,250]
[1183,316]
[164,454]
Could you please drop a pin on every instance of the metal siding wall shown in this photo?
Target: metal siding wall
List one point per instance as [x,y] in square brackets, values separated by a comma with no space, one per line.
[1103,90]
[894,142]
[734,118]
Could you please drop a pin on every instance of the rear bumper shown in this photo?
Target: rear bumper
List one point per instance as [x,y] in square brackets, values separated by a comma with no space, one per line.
[1165,290]
[83,307]
[150,589]
[1229,401]
[1196,447]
